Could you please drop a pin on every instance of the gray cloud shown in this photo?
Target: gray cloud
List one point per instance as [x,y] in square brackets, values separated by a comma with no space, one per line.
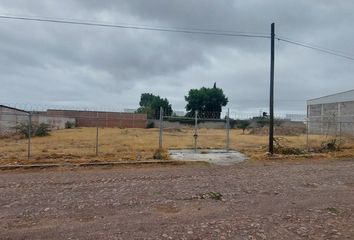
[69,65]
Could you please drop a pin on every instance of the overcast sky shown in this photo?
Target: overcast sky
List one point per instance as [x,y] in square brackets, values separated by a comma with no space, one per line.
[81,66]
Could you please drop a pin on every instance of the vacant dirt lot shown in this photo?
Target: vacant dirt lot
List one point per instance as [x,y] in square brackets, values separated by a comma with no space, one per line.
[260,200]
[78,145]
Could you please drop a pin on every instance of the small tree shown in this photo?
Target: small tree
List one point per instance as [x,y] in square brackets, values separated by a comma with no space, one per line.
[243,124]
[207,101]
[150,104]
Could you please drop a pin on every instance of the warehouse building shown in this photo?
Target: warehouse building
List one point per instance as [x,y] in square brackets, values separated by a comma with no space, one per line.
[332,114]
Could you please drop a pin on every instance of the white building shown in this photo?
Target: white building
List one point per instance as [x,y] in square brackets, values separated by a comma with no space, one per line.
[332,114]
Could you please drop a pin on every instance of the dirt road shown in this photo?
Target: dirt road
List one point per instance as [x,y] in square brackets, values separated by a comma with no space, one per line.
[262,200]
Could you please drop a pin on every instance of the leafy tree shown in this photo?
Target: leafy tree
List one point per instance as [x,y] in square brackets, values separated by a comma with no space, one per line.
[150,104]
[208,102]
[243,124]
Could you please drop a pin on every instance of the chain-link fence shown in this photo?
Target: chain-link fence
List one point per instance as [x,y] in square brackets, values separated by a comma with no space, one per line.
[82,136]
[70,135]
[195,130]
[322,134]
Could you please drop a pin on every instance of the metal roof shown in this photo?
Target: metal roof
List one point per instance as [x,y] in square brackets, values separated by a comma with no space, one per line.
[346,96]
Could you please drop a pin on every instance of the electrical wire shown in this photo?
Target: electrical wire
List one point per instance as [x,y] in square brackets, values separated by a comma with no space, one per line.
[181,30]
[317,48]
[137,27]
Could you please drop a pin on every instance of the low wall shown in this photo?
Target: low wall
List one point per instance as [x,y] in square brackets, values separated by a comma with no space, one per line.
[102,119]
[10,119]
[178,125]
[53,122]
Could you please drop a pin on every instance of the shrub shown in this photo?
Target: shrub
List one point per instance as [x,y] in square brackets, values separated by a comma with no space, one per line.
[69,125]
[331,145]
[150,125]
[40,130]
[161,154]
[243,124]
[22,129]
[280,148]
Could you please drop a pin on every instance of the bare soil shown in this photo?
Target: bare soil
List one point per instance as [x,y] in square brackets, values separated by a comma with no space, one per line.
[79,145]
[259,200]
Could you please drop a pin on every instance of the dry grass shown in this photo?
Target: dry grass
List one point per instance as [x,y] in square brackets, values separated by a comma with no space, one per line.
[78,145]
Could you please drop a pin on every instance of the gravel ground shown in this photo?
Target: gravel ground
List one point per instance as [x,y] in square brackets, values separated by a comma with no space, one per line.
[260,200]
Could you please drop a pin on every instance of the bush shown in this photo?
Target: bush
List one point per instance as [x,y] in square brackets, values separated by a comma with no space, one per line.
[331,145]
[22,129]
[69,125]
[280,148]
[150,125]
[161,154]
[243,124]
[40,130]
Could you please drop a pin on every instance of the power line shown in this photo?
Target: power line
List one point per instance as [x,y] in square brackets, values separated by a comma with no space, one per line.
[317,48]
[180,30]
[150,26]
[137,27]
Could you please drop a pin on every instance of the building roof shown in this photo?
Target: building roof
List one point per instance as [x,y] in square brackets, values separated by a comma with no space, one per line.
[12,108]
[346,96]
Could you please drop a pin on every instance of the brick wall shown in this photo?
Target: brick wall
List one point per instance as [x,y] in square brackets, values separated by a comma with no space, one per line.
[102,119]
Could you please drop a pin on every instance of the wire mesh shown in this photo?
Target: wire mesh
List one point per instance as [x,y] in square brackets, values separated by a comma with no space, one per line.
[81,135]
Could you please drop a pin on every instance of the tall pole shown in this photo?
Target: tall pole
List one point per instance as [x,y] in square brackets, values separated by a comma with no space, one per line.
[228,130]
[161,128]
[96,133]
[271,98]
[29,135]
[195,130]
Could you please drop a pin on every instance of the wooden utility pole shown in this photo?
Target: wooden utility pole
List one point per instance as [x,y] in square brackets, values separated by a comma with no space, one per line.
[271,98]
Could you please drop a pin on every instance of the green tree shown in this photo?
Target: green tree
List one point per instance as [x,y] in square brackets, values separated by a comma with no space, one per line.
[208,102]
[243,124]
[150,104]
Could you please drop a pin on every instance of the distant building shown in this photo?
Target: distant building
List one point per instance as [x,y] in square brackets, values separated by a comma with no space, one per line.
[332,114]
[296,117]
[9,118]
[56,119]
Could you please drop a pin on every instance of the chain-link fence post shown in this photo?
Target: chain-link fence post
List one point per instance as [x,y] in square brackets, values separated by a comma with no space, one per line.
[161,128]
[340,133]
[29,135]
[307,135]
[195,130]
[228,130]
[96,133]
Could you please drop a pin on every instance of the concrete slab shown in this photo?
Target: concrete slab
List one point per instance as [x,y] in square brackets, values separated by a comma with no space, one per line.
[214,156]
